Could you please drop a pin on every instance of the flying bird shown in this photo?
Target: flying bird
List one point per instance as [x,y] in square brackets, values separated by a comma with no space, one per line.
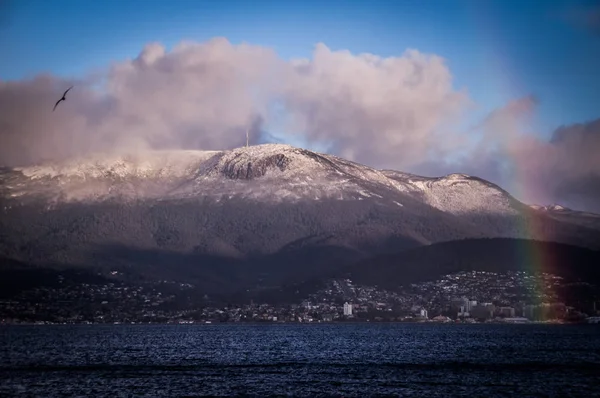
[62,99]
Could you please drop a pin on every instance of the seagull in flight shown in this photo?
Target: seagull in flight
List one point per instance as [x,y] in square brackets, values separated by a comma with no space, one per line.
[62,99]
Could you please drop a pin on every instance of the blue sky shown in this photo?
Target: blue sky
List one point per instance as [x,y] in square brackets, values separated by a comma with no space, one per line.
[498,50]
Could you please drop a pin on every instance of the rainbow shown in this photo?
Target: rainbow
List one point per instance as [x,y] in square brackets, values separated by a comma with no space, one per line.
[506,86]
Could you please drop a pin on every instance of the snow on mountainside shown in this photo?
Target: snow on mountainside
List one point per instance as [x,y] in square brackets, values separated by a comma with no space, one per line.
[289,212]
[553,207]
[156,164]
[458,193]
[265,172]
[270,172]
[562,213]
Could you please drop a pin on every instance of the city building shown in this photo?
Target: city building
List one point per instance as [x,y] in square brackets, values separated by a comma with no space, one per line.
[347,309]
[507,312]
[529,311]
[483,311]
[464,306]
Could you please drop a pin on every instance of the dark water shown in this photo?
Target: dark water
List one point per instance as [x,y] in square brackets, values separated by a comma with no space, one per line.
[421,360]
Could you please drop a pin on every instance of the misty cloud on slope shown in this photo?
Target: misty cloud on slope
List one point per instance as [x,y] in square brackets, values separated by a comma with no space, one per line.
[574,173]
[398,112]
[381,111]
[564,170]
[197,96]
[487,153]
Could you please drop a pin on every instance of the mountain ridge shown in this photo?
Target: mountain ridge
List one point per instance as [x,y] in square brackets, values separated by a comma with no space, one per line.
[285,211]
[297,167]
[267,161]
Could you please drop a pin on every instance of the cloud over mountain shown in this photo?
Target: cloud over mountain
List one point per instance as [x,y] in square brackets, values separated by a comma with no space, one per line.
[564,169]
[203,95]
[397,112]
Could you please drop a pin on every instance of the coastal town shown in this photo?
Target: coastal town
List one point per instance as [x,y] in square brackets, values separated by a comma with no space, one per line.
[472,297]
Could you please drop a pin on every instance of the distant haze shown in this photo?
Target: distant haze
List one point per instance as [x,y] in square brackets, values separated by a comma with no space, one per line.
[399,112]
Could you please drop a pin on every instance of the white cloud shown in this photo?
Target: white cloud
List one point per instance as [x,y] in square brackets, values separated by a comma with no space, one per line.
[397,112]
[381,111]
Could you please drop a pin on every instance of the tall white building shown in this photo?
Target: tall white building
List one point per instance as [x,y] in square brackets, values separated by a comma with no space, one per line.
[472,303]
[465,306]
[347,309]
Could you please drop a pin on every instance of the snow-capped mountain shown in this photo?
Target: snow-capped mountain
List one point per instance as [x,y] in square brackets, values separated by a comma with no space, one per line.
[302,209]
[554,207]
[269,173]
[458,193]
[562,213]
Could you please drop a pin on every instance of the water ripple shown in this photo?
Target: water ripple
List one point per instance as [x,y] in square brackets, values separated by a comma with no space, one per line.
[420,360]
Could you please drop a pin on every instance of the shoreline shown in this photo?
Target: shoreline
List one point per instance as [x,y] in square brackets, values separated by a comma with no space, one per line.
[288,323]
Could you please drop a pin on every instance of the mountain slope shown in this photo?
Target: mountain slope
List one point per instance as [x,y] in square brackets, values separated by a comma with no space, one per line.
[560,213]
[458,193]
[279,211]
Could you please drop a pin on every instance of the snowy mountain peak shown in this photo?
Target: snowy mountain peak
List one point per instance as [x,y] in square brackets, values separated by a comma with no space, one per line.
[458,193]
[457,176]
[557,207]
[269,172]
[553,207]
[241,163]
[253,162]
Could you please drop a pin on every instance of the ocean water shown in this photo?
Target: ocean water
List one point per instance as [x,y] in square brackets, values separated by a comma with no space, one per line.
[414,360]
